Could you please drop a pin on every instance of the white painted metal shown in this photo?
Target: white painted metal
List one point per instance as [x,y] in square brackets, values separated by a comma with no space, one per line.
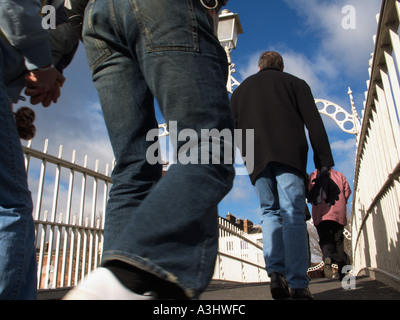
[68,246]
[239,258]
[376,197]
[347,122]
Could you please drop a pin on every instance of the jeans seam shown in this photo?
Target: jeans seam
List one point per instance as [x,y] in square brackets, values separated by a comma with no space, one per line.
[21,216]
[202,263]
[101,46]
[21,265]
[147,35]
[13,168]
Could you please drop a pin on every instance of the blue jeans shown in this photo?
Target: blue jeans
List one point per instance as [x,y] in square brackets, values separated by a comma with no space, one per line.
[138,50]
[18,275]
[281,191]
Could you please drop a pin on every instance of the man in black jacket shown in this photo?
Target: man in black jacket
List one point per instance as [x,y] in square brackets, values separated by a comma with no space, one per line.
[277,106]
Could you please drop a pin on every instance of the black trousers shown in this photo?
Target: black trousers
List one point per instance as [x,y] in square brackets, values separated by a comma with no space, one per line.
[331,241]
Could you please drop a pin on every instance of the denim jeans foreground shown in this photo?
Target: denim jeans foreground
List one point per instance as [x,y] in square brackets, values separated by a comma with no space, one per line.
[281,192]
[18,275]
[138,50]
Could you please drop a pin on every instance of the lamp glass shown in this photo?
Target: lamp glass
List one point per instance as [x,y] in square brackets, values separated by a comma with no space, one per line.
[226,32]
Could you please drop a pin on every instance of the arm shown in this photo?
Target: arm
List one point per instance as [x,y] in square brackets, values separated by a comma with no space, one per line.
[346,189]
[316,129]
[21,23]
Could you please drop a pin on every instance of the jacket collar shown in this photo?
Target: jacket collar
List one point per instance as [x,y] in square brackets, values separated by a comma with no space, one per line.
[270,68]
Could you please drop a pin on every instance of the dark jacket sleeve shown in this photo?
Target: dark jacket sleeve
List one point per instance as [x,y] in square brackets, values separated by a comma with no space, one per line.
[316,129]
[21,24]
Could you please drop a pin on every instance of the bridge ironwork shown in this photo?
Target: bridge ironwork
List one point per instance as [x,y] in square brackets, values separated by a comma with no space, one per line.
[376,197]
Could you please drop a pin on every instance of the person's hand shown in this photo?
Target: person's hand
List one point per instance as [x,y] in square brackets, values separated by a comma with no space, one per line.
[324,189]
[43,85]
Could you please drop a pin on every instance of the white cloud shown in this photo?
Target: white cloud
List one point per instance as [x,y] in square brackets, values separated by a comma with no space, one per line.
[83,131]
[350,48]
[339,52]
[344,154]
[251,67]
[242,189]
[312,70]
[344,146]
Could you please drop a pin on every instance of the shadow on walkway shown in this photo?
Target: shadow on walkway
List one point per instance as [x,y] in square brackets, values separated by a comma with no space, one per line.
[322,289]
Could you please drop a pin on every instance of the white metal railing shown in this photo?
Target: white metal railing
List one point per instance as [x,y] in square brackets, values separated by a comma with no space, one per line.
[376,197]
[239,257]
[69,243]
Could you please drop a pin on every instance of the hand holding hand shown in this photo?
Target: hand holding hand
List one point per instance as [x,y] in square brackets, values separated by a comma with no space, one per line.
[43,85]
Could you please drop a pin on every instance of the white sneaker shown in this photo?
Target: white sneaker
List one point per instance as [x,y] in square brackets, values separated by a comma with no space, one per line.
[102,284]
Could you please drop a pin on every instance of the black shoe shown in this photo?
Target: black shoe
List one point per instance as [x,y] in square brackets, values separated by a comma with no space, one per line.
[301,294]
[279,287]
[328,268]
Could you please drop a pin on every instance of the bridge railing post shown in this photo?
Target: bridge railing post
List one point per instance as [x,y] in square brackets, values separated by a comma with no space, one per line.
[376,197]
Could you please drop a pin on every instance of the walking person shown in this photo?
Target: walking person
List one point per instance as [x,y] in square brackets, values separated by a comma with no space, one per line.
[24,52]
[330,221]
[161,235]
[277,106]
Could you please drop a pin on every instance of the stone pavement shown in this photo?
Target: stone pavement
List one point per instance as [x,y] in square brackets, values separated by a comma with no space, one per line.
[322,289]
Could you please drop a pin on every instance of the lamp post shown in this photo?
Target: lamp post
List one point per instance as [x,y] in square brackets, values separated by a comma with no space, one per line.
[229,28]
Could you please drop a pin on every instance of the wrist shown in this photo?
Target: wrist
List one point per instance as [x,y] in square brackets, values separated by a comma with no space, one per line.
[42,69]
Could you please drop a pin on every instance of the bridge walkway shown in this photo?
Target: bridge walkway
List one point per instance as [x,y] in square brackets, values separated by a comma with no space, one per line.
[322,289]
[366,288]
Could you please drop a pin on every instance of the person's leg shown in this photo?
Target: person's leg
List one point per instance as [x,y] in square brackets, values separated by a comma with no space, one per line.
[327,245]
[326,239]
[340,257]
[291,190]
[171,232]
[18,273]
[128,110]
[273,245]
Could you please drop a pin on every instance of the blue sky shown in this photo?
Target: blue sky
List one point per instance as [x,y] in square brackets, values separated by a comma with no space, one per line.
[316,48]
[314,45]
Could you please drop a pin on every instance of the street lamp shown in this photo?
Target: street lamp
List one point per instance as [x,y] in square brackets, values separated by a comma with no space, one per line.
[229,28]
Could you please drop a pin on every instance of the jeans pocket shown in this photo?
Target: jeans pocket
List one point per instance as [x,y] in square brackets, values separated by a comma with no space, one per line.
[167,25]
[96,49]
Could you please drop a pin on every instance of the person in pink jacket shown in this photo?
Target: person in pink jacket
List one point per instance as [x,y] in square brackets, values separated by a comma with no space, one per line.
[330,221]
